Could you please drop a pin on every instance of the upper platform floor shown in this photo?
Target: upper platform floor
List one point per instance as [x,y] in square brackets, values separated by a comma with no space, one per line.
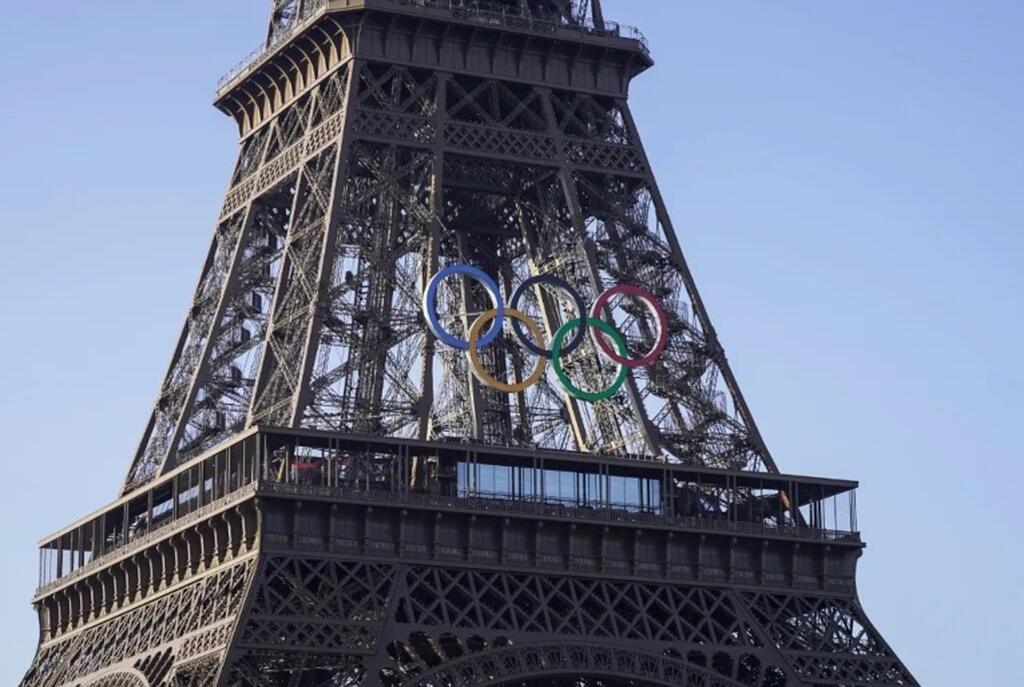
[459,478]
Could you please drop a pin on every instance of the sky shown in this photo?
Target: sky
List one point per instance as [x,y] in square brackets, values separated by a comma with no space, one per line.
[845,178]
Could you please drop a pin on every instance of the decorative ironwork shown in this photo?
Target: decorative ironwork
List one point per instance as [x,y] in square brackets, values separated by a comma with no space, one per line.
[319,605]
[163,622]
[574,660]
[121,679]
[828,640]
[324,497]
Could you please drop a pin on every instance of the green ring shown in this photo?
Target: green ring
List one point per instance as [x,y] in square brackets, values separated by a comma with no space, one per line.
[556,360]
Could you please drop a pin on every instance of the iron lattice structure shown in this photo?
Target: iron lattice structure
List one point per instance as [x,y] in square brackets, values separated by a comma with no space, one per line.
[325,496]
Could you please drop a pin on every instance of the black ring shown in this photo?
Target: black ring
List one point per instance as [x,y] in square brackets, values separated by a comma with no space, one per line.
[554,282]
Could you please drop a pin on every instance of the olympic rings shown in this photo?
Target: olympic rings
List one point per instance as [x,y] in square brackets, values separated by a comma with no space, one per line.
[556,350]
[534,339]
[577,300]
[656,310]
[474,352]
[430,303]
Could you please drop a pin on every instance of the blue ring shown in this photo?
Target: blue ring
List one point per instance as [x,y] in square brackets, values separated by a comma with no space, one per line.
[556,283]
[430,306]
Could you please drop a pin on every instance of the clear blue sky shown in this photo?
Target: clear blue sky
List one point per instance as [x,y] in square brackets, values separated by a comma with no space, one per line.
[847,180]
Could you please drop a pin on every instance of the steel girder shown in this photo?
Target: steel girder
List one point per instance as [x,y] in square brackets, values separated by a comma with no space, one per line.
[307,311]
[284,614]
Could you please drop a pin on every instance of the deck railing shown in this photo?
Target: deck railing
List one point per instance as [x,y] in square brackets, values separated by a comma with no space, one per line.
[310,10]
[547,509]
[352,469]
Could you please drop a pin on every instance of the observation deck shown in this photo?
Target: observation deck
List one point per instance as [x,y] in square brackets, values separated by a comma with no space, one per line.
[502,506]
[479,37]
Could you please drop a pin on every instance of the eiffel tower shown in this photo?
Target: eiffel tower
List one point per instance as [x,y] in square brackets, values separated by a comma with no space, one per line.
[328,494]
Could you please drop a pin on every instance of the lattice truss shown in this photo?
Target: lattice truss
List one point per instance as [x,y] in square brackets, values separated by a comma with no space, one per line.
[199,673]
[540,666]
[694,415]
[284,14]
[343,206]
[329,622]
[180,634]
[464,621]
[286,669]
[323,620]
[828,641]
[318,605]
[504,602]
[208,390]
[368,339]
[297,294]
[122,679]
[310,622]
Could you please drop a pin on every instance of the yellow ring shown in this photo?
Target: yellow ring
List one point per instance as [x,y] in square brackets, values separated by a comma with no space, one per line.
[474,355]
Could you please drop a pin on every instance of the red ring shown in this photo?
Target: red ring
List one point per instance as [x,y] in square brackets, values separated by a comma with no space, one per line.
[656,310]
